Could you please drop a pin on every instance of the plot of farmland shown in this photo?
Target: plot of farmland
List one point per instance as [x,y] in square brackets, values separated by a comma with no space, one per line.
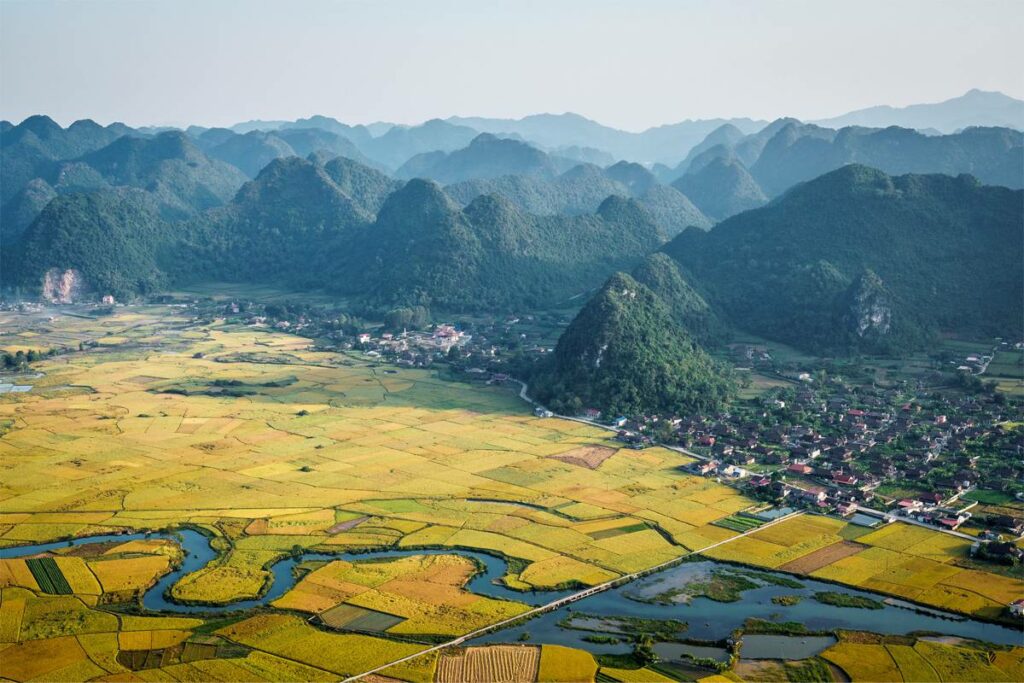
[492,664]
[354,618]
[256,438]
[906,561]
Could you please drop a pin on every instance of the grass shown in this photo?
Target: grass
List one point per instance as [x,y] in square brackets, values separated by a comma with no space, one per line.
[811,670]
[991,497]
[739,523]
[837,599]
[787,600]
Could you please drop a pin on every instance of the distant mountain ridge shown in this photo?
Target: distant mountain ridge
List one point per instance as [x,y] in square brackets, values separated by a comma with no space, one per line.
[973,108]
[583,188]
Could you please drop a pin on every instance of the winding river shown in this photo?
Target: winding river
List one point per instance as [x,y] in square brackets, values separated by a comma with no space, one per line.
[707,619]
[198,553]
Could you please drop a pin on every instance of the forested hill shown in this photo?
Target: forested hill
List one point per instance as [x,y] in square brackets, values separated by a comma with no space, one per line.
[342,227]
[946,252]
[490,255]
[624,354]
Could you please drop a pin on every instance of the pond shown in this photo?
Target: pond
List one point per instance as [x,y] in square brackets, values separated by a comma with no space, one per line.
[758,646]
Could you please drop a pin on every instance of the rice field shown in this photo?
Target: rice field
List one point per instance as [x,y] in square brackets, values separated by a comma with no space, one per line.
[269,446]
[923,660]
[910,562]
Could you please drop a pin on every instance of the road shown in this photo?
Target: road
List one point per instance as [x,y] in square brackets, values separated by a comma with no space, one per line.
[569,599]
[523,395]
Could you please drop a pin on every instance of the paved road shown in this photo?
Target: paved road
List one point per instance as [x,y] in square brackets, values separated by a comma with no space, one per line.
[561,602]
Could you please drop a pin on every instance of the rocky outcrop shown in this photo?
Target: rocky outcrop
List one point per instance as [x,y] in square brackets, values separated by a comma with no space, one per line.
[870,308]
[64,287]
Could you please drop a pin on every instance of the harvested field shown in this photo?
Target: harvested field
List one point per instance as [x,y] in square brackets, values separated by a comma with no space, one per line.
[821,558]
[491,664]
[590,457]
[346,525]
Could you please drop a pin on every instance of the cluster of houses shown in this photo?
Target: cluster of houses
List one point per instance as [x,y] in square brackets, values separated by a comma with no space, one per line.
[831,446]
[415,348]
[931,508]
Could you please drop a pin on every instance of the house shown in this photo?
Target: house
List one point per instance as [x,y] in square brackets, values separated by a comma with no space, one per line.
[844,478]
[1017,607]
[796,468]
[846,509]
[591,413]
[705,467]
[950,522]
[812,495]
[541,411]
[446,332]
[619,421]
[1014,525]
[733,471]
[364,338]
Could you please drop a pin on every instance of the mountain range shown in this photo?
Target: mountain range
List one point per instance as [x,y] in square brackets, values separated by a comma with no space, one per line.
[859,260]
[973,108]
[849,240]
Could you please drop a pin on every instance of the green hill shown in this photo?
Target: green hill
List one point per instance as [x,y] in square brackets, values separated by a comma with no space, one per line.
[169,166]
[582,189]
[947,249]
[485,157]
[112,238]
[424,249]
[659,273]
[624,354]
[722,188]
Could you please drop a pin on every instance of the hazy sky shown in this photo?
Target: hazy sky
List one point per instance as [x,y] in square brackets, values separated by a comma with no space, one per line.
[630,64]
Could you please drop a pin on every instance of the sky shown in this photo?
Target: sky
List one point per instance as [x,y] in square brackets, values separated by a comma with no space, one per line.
[631,64]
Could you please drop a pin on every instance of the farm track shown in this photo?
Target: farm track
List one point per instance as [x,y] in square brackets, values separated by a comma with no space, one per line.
[567,600]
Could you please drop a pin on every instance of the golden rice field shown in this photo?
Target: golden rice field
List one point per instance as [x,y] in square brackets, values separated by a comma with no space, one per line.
[268,445]
[425,593]
[909,562]
[923,660]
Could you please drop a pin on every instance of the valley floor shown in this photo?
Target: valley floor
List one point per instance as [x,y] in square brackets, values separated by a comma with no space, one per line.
[163,421]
